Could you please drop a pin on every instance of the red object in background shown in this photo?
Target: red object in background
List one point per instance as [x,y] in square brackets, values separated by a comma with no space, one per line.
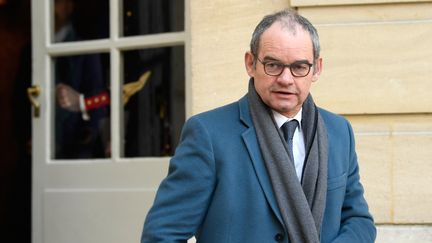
[97,101]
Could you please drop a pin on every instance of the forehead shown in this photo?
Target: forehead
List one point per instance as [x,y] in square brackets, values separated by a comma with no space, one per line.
[281,42]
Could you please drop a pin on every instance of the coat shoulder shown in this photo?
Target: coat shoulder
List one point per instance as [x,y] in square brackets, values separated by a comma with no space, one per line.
[336,125]
[330,116]
[230,113]
[332,119]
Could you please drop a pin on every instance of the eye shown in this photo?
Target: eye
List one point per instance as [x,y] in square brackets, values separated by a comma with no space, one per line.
[274,65]
[300,67]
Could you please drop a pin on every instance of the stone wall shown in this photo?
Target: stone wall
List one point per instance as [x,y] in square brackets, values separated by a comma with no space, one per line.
[377,58]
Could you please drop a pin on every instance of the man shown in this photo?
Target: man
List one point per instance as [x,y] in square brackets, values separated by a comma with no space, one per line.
[78,78]
[240,175]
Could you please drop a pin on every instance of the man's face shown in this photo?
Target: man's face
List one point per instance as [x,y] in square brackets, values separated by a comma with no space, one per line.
[284,93]
[63,10]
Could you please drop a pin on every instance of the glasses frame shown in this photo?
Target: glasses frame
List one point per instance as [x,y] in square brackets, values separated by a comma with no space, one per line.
[264,63]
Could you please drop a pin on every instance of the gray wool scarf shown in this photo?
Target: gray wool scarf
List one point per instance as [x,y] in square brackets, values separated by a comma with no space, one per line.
[302,203]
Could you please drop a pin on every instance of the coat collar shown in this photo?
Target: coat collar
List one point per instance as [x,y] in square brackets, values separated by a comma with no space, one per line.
[251,142]
[245,116]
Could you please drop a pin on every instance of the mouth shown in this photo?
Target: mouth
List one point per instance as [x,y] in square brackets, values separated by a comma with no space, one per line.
[284,93]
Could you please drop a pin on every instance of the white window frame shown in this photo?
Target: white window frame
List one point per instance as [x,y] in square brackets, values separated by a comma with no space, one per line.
[114,45]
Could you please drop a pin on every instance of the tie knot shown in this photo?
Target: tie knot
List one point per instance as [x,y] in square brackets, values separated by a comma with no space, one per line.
[288,129]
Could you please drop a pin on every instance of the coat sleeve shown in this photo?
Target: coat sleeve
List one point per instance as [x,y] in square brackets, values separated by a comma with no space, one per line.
[184,195]
[357,225]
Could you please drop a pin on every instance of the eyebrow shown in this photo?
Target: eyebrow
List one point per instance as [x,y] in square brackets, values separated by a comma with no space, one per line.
[270,58]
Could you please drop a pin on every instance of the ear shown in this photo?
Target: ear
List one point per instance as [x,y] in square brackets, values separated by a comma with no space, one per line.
[249,64]
[317,69]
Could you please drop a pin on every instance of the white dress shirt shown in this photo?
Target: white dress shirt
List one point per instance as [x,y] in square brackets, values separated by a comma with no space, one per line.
[298,140]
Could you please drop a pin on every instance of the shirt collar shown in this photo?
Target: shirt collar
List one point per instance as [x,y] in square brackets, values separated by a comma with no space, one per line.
[281,119]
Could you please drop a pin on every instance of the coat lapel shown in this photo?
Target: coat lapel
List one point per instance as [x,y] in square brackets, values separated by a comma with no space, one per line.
[251,142]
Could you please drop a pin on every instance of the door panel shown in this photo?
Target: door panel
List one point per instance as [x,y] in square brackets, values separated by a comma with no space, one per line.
[99,215]
[82,100]
[103,196]
[153,113]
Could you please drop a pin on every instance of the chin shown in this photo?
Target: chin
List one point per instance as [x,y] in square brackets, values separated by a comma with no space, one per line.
[285,109]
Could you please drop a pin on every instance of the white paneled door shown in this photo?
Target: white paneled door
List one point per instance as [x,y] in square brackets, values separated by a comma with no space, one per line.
[111,75]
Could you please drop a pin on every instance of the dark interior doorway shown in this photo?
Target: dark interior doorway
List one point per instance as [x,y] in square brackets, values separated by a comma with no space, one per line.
[15,126]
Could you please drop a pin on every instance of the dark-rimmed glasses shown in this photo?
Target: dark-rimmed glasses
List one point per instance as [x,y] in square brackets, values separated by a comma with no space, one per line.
[298,69]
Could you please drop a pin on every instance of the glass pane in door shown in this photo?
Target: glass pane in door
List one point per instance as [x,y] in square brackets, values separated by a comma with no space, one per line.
[154,100]
[82,99]
[76,20]
[150,17]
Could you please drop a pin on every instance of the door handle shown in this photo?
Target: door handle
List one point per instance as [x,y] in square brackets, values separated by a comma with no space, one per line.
[33,92]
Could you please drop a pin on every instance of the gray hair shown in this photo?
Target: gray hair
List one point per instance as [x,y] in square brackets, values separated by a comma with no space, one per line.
[290,19]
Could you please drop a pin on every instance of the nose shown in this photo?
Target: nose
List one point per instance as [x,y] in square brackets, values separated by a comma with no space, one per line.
[286,77]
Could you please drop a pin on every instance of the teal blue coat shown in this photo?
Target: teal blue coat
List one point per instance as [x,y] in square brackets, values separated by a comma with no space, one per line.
[218,188]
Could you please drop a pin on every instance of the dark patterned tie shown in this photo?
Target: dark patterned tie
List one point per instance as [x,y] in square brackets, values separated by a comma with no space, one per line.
[288,129]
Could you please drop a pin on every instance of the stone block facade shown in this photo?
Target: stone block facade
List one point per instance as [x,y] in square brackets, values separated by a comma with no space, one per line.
[377,59]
